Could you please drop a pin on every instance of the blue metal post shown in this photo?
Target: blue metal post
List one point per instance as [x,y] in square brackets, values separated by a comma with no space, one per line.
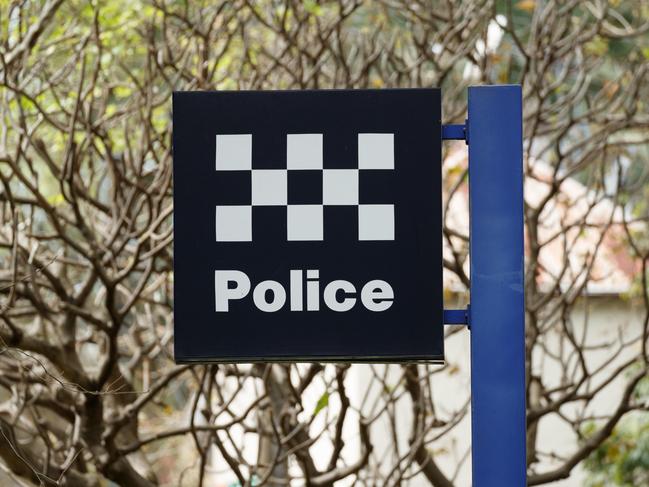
[494,134]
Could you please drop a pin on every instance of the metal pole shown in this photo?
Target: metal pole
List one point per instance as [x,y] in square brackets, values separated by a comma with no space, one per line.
[494,135]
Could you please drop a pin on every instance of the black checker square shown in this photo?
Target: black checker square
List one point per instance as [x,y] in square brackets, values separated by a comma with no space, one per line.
[340,223]
[268,223]
[233,188]
[376,186]
[304,187]
[340,149]
[269,149]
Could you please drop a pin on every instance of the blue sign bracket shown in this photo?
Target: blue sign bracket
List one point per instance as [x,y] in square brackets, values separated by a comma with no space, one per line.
[497,311]
[454,132]
[458,316]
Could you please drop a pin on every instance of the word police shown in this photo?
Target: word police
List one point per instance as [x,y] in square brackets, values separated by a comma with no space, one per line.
[270,296]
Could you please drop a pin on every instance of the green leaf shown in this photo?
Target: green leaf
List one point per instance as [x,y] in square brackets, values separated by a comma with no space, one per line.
[597,47]
[122,91]
[312,7]
[56,199]
[323,402]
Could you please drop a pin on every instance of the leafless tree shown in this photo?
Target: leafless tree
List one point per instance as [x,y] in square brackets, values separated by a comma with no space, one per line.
[88,386]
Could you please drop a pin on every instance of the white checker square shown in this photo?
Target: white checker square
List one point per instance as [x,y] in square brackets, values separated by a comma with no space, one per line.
[304,151]
[376,222]
[234,223]
[305,222]
[269,187]
[340,187]
[234,152]
[376,151]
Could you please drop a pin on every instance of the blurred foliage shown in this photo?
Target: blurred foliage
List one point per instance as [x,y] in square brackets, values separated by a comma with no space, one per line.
[623,459]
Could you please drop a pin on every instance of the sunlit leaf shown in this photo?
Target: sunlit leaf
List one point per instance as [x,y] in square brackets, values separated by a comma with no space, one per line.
[322,403]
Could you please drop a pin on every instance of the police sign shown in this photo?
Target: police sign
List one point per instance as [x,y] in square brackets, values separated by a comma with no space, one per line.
[307,225]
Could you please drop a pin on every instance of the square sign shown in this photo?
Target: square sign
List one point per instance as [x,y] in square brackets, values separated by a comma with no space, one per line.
[308,226]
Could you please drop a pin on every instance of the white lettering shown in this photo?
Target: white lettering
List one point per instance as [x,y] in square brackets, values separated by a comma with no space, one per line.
[377,295]
[312,290]
[330,295]
[296,291]
[271,296]
[260,292]
[224,293]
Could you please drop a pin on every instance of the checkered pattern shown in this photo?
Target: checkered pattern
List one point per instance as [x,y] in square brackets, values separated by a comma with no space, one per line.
[340,187]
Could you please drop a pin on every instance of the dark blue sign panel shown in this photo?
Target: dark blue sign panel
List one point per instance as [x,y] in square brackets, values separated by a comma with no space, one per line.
[308,226]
